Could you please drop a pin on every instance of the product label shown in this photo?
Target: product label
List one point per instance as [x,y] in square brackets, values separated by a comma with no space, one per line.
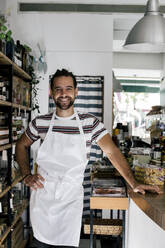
[157,155]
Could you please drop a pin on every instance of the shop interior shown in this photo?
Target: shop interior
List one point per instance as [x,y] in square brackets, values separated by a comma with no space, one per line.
[87,38]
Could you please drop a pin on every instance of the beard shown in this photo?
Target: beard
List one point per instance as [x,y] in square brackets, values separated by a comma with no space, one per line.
[68,102]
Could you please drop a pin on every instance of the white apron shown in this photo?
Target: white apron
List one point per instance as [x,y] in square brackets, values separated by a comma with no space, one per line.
[56,209]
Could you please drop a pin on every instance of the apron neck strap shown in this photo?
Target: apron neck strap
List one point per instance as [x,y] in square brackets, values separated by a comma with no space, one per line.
[79,125]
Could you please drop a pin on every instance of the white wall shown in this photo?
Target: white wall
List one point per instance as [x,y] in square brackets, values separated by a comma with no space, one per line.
[162,87]
[2,7]
[80,42]
[145,61]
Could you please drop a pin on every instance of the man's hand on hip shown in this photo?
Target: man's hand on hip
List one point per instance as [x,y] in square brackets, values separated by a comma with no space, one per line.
[34,181]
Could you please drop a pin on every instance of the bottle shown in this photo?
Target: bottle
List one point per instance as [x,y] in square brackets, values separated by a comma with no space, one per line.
[120,128]
[163,154]
[125,132]
[18,53]
[157,152]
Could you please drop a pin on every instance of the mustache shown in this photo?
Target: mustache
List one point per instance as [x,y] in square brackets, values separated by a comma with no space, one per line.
[63,97]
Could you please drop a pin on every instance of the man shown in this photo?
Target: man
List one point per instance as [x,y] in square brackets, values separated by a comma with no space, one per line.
[57,198]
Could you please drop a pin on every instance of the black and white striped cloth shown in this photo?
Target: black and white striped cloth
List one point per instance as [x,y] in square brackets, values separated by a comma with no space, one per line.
[90,99]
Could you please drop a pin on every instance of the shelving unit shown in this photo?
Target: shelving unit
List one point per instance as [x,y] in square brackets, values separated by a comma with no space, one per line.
[8,69]
[17,70]
[4,236]
[11,186]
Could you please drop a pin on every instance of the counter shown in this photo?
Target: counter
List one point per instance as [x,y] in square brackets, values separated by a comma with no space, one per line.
[153,205]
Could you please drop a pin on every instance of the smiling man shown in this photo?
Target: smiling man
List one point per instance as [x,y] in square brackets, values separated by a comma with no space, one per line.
[66,136]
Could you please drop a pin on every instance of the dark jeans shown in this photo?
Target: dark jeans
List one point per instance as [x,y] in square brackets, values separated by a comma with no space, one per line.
[37,244]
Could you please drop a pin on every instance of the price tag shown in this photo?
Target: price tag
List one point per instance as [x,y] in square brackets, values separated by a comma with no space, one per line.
[4,155]
[11,202]
[0,207]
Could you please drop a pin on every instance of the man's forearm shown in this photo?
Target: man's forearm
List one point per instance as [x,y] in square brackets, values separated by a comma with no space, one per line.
[121,164]
[22,158]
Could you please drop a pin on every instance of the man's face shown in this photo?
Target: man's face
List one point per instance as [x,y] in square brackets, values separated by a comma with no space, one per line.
[63,92]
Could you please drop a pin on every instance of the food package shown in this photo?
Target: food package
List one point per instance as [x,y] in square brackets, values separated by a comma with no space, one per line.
[150,174]
[108,187]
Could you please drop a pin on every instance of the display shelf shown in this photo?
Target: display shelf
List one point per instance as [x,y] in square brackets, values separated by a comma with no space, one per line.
[14,105]
[4,236]
[17,70]
[21,107]
[8,70]
[5,103]
[5,147]
[17,180]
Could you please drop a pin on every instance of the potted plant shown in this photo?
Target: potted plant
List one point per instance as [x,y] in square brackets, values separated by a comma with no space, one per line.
[5,35]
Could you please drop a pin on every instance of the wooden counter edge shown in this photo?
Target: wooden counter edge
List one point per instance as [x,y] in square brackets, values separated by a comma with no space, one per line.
[148,207]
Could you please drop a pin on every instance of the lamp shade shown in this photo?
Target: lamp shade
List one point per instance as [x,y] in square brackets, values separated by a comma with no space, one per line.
[148,34]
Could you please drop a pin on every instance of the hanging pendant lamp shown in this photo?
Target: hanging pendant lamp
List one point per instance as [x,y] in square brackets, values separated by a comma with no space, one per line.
[148,34]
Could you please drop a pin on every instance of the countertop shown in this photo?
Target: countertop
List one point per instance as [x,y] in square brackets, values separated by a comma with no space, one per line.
[151,204]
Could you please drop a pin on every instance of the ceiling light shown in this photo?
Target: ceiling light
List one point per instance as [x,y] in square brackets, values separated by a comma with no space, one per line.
[148,34]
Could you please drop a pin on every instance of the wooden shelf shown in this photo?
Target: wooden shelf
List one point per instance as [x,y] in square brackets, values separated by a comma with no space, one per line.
[17,70]
[5,103]
[4,236]
[17,180]
[5,147]
[14,105]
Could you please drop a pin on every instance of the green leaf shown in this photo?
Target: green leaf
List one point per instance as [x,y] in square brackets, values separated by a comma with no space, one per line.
[3,28]
[9,33]
[2,36]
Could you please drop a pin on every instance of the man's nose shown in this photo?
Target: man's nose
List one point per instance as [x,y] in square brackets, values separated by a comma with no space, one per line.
[63,92]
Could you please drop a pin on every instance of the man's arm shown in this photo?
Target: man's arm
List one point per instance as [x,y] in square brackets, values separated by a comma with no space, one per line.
[120,163]
[22,158]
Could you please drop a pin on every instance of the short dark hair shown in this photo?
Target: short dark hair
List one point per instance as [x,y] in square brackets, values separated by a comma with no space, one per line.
[60,73]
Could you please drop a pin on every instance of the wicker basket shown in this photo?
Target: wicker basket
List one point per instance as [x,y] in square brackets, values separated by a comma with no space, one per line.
[104,226]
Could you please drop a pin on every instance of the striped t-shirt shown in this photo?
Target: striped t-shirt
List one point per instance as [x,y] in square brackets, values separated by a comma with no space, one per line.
[92,127]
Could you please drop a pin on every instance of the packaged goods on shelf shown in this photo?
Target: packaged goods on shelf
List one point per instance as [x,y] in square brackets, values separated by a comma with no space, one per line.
[21,92]
[3,227]
[25,89]
[4,139]
[17,235]
[17,123]
[4,130]
[3,119]
[4,89]
[3,169]
[108,187]
[16,90]
[140,155]
[150,174]
[4,245]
